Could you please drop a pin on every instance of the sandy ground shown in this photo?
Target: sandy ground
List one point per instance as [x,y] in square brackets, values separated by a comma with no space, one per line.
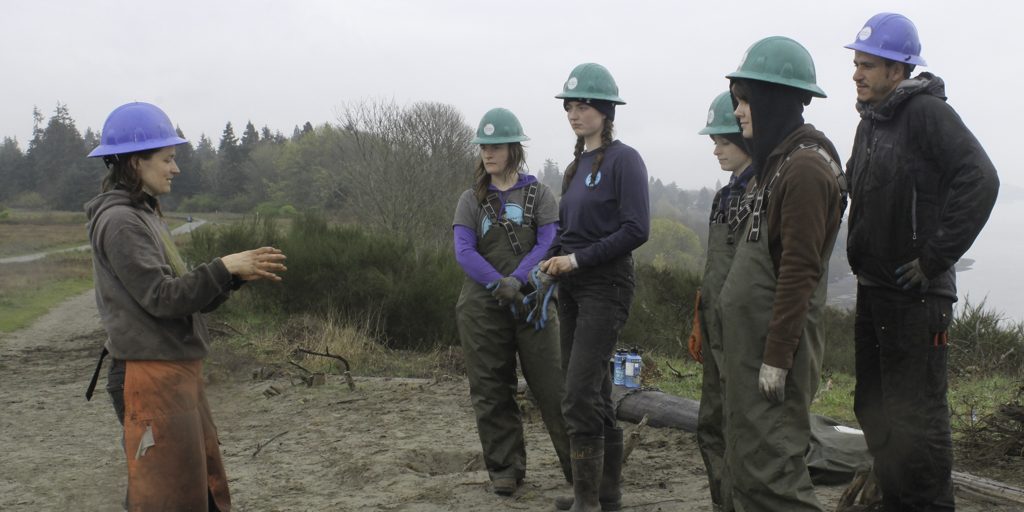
[391,445]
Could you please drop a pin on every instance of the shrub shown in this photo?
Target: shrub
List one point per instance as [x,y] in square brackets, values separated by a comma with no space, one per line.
[406,293]
[661,316]
[200,203]
[839,347]
[981,341]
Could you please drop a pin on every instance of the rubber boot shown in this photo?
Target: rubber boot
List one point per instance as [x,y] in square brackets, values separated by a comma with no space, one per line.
[610,495]
[587,471]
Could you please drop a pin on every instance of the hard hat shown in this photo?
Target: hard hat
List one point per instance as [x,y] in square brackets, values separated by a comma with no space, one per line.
[499,126]
[890,36]
[779,60]
[591,81]
[136,127]
[721,119]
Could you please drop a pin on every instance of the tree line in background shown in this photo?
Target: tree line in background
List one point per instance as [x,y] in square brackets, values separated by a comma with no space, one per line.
[395,168]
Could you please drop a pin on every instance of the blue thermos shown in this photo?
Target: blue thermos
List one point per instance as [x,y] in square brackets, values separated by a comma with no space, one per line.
[619,362]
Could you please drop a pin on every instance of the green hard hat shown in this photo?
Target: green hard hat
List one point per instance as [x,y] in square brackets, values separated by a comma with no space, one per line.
[779,60]
[499,126]
[591,81]
[721,118]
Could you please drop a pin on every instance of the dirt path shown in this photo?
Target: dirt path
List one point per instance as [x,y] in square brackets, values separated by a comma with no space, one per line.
[391,445]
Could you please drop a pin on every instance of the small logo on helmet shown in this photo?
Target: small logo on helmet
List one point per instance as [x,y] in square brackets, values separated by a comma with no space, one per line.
[488,129]
[864,33]
[572,83]
[711,116]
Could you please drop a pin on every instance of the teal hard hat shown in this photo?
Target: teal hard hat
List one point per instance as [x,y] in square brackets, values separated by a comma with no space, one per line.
[721,118]
[591,81]
[779,60]
[499,126]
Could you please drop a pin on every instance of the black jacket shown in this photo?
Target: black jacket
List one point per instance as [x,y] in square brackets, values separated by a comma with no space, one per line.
[921,187]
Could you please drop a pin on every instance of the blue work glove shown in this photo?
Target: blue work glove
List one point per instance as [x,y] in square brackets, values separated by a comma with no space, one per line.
[507,291]
[537,301]
[912,276]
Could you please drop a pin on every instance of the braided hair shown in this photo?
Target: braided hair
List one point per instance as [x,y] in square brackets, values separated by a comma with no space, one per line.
[606,139]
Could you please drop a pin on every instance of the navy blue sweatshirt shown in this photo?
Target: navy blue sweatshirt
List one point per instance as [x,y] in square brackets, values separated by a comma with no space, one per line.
[609,218]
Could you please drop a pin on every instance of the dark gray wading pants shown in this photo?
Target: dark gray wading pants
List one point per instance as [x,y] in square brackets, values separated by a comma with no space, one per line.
[711,418]
[491,338]
[593,308]
[765,443]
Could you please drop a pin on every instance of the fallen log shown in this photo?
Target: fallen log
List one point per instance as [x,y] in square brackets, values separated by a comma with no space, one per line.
[984,488]
[661,409]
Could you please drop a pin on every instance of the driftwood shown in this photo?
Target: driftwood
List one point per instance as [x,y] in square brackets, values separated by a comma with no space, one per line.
[987,489]
[634,439]
[661,409]
[260,446]
[345,372]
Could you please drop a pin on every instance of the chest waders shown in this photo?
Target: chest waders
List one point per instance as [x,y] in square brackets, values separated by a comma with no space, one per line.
[491,339]
[765,443]
[722,234]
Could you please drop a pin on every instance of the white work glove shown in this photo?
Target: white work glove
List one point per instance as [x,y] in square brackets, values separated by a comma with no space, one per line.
[772,382]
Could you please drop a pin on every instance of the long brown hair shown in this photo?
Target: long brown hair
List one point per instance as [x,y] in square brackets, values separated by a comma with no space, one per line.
[482,180]
[606,139]
[122,174]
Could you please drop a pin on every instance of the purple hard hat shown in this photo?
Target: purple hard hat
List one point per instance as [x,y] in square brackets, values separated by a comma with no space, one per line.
[890,36]
[136,127]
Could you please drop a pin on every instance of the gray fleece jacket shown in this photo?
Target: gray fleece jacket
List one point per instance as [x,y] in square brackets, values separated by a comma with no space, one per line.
[148,310]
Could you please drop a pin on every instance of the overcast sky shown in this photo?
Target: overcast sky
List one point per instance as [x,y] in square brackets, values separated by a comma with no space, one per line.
[282,63]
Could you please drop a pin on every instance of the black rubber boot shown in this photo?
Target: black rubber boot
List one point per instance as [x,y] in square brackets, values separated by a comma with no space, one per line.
[610,495]
[587,473]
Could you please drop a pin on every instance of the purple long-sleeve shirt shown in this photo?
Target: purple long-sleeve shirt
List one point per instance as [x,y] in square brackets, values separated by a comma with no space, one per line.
[607,219]
[470,224]
[479,270]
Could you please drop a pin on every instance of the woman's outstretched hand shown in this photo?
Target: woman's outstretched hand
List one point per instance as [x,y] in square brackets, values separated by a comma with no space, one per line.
[262,263]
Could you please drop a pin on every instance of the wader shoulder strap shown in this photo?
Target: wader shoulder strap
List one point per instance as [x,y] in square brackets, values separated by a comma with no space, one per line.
[761,200]
[529,204]
[717,217]
[492,213]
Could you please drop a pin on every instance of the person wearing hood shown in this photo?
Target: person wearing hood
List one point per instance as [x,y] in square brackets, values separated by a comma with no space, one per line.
[503,227]
[731,152]
[604,215]
[771,302]
[150,304]
[922,188]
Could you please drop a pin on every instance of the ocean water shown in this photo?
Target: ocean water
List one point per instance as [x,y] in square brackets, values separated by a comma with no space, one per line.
[996,274]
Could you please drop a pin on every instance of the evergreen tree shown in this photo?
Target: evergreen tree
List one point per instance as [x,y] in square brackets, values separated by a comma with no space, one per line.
[66,179]
[265,134]
[250,138]
[12,169]
[551,176]
[189,182]
[229,180]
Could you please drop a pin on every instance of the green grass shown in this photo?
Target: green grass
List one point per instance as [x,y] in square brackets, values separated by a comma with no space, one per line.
[834,398]
[28,290]
[972,399]
[31,304]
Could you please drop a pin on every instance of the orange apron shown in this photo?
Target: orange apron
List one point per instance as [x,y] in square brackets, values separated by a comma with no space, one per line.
[174,461]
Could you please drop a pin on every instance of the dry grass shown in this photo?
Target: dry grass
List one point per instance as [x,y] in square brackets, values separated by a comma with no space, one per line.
[273,347]
[31,232]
